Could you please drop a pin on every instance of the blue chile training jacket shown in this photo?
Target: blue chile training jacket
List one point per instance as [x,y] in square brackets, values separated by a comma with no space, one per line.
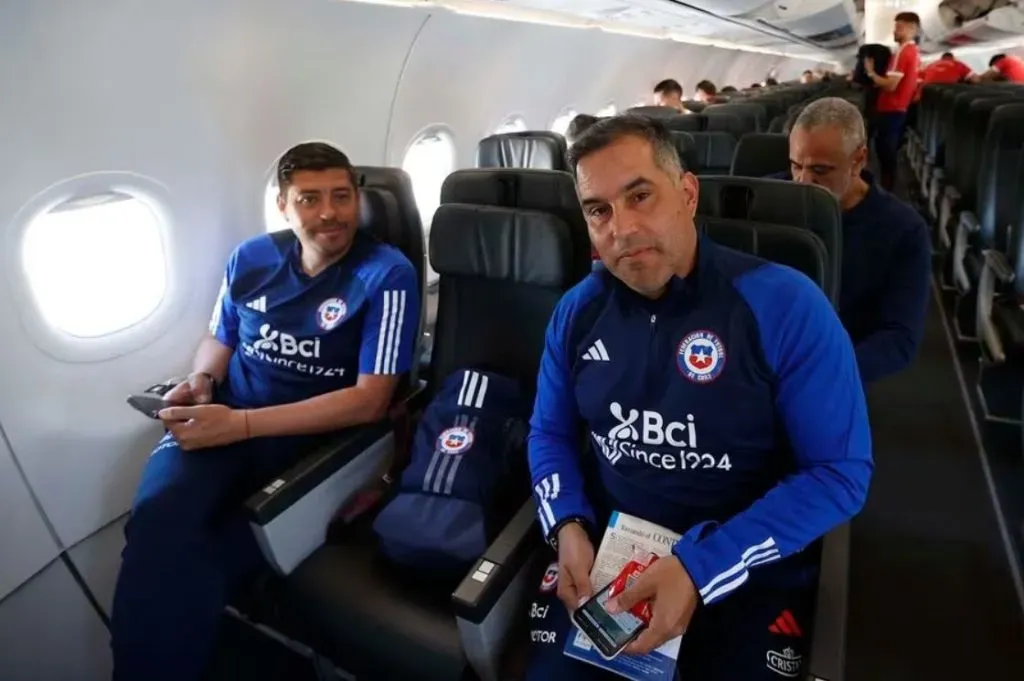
[730,410]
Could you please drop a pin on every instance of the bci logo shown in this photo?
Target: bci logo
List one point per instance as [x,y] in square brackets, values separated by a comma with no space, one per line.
[286,344]
[655,430]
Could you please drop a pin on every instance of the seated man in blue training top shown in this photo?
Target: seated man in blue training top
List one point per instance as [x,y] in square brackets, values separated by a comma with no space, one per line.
[311,332]
[722,401]
[883,295]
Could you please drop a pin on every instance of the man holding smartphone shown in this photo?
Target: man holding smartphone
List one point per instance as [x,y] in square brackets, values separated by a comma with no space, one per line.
[311,332]
[722,400]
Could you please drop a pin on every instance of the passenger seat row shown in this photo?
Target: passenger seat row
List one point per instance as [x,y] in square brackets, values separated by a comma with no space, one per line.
[967,154]
[507,243]
[704,153]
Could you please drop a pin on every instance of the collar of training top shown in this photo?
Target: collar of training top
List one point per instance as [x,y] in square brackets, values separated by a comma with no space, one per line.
[679,288]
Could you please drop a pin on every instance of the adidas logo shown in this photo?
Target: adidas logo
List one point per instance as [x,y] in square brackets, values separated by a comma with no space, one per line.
[786,625]
[258,304]
[597,352]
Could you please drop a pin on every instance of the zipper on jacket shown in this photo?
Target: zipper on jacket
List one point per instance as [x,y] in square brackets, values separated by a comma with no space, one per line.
[652,351]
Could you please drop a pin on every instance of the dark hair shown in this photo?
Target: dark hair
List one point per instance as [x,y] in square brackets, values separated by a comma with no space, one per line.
[995,58]
[948,55]
[755,85]
[315,156]
[727,88]
[669,86]
[606,131]
[707,87]
[578,126]
[808,72]
[908,18]
[770,81]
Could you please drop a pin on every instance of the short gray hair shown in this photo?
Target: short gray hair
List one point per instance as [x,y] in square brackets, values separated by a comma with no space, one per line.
[607,131]
[838,113]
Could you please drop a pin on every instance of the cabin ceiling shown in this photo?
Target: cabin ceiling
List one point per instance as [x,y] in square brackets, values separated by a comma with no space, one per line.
[826,30]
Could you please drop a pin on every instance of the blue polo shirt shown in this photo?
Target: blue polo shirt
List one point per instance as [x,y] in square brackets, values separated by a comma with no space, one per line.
[297,336]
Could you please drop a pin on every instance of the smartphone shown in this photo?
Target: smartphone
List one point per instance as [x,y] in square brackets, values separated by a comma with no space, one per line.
[609,633]
[147,404]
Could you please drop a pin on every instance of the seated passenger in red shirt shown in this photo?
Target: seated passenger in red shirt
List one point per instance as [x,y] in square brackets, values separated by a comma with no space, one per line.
[948,69]
[1003,67]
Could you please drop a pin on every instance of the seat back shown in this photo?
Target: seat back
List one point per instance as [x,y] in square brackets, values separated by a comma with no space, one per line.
[793,246]
[753,115]
[548,191]
[388,211]
[528,149]
[970,155]
[720,121]
[686,147]
[761,153]
[713,152]
[502,271]
[777,202]
[403,228]
[999,195]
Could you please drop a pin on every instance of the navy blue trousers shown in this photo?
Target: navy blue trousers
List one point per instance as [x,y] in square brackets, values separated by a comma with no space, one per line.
[754,634]
[888,136]
[188,546]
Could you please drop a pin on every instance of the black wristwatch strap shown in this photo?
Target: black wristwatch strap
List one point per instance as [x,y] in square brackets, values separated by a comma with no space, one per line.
[553,534]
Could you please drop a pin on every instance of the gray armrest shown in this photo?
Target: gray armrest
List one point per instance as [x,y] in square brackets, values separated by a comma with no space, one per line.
[967,225]
[934,193]
[290,515]
[996,269]
[488,601]
[827,659]
[948,205]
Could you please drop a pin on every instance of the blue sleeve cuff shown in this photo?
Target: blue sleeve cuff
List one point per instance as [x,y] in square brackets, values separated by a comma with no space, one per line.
[555,503]
[716,566]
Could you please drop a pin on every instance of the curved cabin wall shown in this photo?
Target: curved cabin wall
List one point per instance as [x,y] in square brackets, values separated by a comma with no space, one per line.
[190,102]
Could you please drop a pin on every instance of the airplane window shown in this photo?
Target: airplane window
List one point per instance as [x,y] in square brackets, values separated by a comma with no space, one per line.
[511,124]
[561,124]
[272,218]
[429,160]
[606,111]
[96,265]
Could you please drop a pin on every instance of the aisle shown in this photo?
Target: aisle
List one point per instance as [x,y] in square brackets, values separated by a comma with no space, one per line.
[931,595]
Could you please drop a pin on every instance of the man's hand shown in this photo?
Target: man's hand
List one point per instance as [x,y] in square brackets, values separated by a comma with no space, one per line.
[207,425]
[673,597]
[575,559]
[196,389]
[869,66]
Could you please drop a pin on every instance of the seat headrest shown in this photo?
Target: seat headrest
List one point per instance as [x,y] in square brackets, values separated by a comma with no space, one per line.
[685,123]
[399,184]
[761,153]
[686,147]
[521,246]
[379,215]
[791,246]
[530,149]
[653,111]
[778,202]
[550,191]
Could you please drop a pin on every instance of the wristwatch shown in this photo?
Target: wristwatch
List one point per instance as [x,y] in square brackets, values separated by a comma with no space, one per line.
[553,534]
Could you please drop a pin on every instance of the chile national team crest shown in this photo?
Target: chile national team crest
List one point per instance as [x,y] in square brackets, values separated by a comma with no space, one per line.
[550,579]
[455,440]
[330,313]
[701,356]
